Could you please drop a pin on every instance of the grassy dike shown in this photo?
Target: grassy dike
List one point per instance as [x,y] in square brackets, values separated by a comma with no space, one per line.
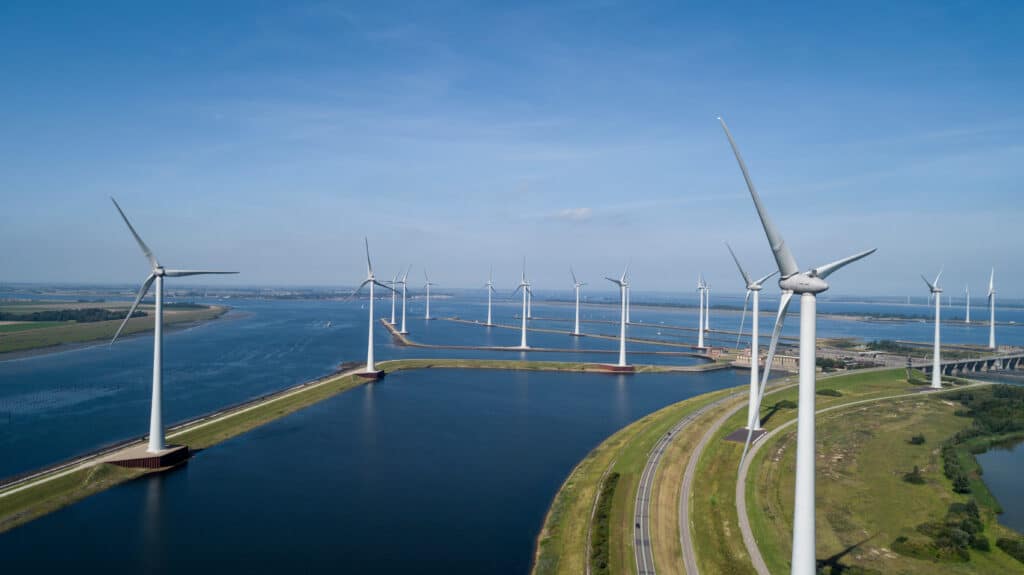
[91,476]
[562,543]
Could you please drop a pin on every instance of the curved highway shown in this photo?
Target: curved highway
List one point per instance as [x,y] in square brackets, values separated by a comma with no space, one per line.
[642,510]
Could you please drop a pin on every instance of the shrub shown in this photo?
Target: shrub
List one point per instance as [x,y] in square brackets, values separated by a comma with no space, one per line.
[961,484]
[830,392]
[599,543]
[980,542]
[785,404]
[917,439]
[1014,547]
[914,476]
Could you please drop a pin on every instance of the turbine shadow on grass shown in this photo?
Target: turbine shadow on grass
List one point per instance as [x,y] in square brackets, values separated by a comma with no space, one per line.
[832,565]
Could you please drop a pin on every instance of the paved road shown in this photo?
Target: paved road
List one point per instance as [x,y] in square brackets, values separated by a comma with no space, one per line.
[741,483]
[642,511]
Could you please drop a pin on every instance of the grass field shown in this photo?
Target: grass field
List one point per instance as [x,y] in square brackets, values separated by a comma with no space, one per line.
[717,538]
[863,503]
[58,333]
[24,325]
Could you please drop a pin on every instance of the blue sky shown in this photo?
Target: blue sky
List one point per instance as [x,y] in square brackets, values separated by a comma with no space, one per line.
[271,138]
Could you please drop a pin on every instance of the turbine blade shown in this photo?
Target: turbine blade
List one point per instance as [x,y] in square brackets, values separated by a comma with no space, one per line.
[406,276]
[145,249]
[574,280]
[356,291]
[743,318]
[181,273]
[625,273]
[746,278]
[780,318]
[765,278]
[615,281]
[827,269]
[369,266]
[928,283]
[519,287]
[131,310]
[936,282]
[783,257]
[992,282]
[387,287]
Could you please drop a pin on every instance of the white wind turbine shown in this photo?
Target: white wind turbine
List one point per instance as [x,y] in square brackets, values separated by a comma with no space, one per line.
[578,285]
[967,298]
[808,284]
[700,311]
[371,367]
[157,275]
[490,291]
[753,287]
[524,285]
[427,285]
[936,292]
[992,310]
[623,284]
[405,283]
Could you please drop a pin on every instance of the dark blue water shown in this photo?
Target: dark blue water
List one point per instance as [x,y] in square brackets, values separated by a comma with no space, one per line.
[431,471]
[1002,472]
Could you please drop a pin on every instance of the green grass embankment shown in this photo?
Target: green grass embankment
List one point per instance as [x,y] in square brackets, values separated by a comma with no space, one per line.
[562,543]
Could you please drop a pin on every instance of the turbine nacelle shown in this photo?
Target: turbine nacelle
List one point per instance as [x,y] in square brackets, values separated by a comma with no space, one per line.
[803,282]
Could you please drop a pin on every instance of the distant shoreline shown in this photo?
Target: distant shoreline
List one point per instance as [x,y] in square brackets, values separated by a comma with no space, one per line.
[33,352]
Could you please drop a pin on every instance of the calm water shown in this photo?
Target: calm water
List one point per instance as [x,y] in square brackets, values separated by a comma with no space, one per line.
[1002,472]
[429,471]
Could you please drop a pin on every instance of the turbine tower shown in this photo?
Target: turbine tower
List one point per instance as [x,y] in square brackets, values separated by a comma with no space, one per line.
[936,292]
[992,310]
[427,285]
[524,285]
[808,284]
[156,275]
[371,367]
[394,294]
[578,285]
[405,283]
[529,303]
[490,291]
[623,283]
[700,311]
[753,287]
[627,303]
[967,298]
[707,307]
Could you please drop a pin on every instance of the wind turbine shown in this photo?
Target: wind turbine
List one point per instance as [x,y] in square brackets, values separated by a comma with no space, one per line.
[157,275]
[371,368]
[427,285]
[524,285]
[967,298]
[623,284]
[753,287]
[405,283]
[992,310]
[700,311]
[936,292]
[808,284]
[578,285]
[490,291]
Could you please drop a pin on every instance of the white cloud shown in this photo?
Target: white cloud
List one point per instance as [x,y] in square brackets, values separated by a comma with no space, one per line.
[574,214]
